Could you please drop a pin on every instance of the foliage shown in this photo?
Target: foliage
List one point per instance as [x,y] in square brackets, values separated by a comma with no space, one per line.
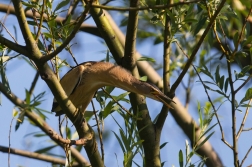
[208,41]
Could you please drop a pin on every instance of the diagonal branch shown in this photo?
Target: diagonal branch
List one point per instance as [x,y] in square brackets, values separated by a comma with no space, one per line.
[69,38]
[27,35]
[40,122]
[194,52]
[135,8]
[37,156]
[14,46]
[166,70]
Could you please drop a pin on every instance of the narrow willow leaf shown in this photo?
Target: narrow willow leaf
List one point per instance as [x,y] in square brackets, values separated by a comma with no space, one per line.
[217,74]
[208,130]
[107,109]
[120,142]
[200,24]
[162,145]
[203,142]
[61,4]
[221,83]
[143,58]
[248,95]
[181,161]
[46,149]
[226,85]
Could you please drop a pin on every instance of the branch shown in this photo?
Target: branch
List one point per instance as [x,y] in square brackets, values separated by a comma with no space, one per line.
[145,8]
[27,35]
[194,52]
[14,46]
[147,133]
[246,156]
[37,156]
[243,120]
[69,38]
[166,70]
[84,27]
[40,122]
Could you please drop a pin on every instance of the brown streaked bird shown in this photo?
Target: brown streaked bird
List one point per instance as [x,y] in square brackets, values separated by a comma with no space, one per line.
[81,83]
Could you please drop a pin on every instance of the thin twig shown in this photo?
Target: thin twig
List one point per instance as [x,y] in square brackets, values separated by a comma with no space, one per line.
[41,21]
[209,99]
[235,151]
[243,120]
[99,131]
[245,156]
[45,127]
[8,32]
[196,48]
[248,129]
[145,8]
[243,84]
[69,38]
[41,157]
[166,69]
[241,33]
[9,150]
[215,32]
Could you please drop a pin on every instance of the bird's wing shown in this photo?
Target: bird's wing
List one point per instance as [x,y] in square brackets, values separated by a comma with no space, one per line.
[70,81]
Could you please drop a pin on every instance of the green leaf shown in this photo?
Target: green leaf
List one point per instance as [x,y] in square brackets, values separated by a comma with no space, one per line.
[221,82]
[121,96]
[4,78]
[248,95]
[248,41]
[61,4]
[47,35]
[125,140]
[162,145]
[226,84]
[206,71]
[120,142]
[203,141]
[143,78]
[107,109]
[29,5]
[181,161]
[217,74]
[208,130]
[200,24]
[144,58]
[235,40]
[46,149]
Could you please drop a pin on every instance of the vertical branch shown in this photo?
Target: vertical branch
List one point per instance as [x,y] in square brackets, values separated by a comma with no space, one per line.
[233,108]
[166,70]
[147,133]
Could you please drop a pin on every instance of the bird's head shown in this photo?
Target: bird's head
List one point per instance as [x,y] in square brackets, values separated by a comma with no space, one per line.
[151,91]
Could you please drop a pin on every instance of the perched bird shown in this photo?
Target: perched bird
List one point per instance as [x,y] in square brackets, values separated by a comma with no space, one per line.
[81,83]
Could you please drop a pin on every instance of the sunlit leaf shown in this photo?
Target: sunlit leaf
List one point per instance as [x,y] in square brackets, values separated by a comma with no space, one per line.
[143,58]
[248,95]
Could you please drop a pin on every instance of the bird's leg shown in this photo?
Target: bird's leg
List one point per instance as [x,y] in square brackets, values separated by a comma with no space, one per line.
[80,117]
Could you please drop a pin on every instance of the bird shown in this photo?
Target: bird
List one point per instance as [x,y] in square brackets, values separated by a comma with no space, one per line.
[81,83]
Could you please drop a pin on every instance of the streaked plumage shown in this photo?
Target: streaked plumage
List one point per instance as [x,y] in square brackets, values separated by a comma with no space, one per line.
[81,83]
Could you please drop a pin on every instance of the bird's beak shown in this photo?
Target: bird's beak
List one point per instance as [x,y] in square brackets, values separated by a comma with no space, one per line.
[163,98]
